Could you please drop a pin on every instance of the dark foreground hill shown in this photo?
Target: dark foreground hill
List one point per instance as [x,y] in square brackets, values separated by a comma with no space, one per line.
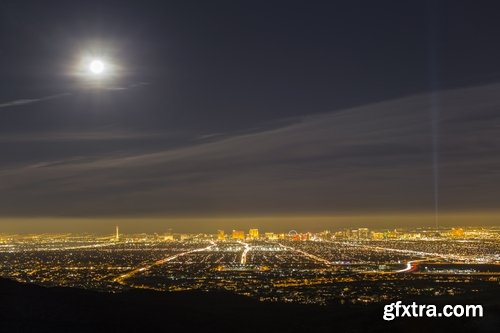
[30,308]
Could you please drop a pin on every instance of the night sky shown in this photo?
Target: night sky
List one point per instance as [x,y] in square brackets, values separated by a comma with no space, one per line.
[291,113]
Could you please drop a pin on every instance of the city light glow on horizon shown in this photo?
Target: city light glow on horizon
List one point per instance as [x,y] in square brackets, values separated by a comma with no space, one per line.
[313,223]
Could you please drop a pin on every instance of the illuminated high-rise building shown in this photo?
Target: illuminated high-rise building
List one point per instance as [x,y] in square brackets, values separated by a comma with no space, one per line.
[117,235]
[354,234]
[457,232]
[271,236]
[363,233]
[253,233]
[221,235]
[238,234]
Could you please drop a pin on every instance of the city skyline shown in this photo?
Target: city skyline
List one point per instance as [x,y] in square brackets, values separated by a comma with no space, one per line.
[254,233]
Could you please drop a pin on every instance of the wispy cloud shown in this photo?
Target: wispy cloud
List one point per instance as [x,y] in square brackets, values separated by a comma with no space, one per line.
[130,86]
[372,158]
[79,136]
[24,101]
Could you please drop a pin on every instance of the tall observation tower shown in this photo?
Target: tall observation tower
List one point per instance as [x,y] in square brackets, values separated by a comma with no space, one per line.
[117,235]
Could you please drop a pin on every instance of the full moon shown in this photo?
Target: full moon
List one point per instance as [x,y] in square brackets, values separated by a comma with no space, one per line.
[96,67]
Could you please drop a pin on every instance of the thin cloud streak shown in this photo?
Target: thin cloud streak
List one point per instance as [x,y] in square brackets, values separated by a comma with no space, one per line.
[26,101]
[130,86]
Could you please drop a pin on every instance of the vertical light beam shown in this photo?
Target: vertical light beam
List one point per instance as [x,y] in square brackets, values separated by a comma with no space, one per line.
[435,153]
[434,103]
